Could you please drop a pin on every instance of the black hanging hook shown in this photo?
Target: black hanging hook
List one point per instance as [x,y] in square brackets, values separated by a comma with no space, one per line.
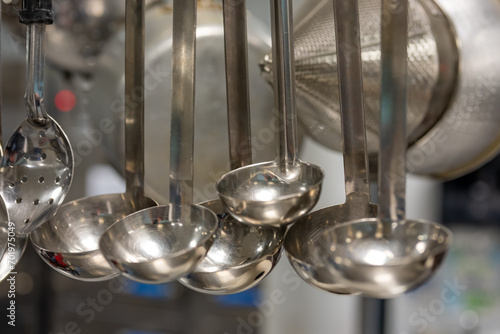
[36,11]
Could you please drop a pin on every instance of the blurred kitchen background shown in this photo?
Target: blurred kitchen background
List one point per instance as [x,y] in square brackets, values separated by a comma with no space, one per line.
[463,298]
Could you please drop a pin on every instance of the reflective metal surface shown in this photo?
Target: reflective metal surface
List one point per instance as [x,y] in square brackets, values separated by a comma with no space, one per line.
[303,252]
[276,193]
[317,59]
[161,244]
[240,257]
[211,141]
[387,256]
[260,194]
[307,251]
[37,167]
[69,242]
[149,247]
[383,261]
[452,120]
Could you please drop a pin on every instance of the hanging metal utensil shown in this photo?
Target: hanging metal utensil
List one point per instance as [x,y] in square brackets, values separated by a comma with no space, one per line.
[305,253]
[37,167]
[69,241]
[241,255]
[277,192]
[161,244]
[387,256]
[211,141]
[8,242]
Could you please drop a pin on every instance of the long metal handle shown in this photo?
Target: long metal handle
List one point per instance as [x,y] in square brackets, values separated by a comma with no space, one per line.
[35,65]
[1,86]
[238,102]
[284,82]
[134,91]
[393,104]
[351,96]
[182,123]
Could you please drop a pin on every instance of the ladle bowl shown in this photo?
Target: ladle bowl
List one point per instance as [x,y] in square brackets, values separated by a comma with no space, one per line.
[240,257]
[151,247]
[384,260]
[260,194]
[69,241]
[305,244]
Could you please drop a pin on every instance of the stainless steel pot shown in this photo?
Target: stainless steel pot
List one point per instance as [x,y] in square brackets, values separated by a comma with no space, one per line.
[211,159]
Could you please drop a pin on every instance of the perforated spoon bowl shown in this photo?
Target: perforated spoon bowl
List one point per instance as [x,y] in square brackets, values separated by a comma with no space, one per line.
[277,192]
[37,166]
[69,241]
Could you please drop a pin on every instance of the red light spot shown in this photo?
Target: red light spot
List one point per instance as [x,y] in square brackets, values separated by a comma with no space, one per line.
[65,100]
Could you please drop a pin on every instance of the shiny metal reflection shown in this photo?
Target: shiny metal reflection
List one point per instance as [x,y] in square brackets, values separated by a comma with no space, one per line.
[69,241]
[240,257]
[260,194]
[383,261]
[149,247]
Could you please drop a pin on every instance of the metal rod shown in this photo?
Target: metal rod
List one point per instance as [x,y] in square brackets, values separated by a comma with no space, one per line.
[182,123]
[238,102]
[1,86]
[351,95]
[393,104]
[134,91]
[35,61]
[284,82]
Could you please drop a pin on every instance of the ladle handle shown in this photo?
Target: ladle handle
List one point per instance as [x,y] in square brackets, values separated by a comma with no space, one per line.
[284,82]
[35,14]
[238,103]
[1,86]
[134,91]
[393,104]
[35,65]
[351,96]
[182,122]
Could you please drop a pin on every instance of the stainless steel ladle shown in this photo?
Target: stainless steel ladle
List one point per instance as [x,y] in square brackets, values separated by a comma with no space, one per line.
[241,255]
[69,241]
[37,166]
[277,192]
[386,256]
[161,244]
[303,240]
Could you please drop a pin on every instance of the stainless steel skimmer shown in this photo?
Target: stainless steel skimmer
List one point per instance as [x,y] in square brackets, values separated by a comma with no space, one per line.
[277,192]
[69,241]
[37,167]
[163,243]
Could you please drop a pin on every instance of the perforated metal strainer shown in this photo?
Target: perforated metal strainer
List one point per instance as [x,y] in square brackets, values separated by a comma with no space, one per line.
[452,122]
